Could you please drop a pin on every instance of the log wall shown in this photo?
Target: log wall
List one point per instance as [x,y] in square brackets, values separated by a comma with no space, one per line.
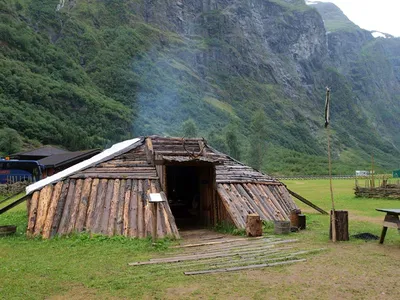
[270,202]
[104,206]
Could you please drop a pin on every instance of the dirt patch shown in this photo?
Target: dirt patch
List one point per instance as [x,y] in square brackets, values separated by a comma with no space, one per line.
[374,220]
[81,293]
[336,275]
[202,236]
[184,292]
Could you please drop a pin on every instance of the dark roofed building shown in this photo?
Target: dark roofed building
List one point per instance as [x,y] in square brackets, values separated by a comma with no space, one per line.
[38,153]
[58,162]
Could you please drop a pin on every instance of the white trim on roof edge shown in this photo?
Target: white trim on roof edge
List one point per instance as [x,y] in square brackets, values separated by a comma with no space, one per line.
[107,154]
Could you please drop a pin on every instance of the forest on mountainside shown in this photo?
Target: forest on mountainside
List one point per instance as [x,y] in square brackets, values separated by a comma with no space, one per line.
[249,76]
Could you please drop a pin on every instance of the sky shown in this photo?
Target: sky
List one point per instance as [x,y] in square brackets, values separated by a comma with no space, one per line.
[380,15]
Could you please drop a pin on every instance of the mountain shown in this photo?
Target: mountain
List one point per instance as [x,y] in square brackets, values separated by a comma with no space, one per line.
[87,73]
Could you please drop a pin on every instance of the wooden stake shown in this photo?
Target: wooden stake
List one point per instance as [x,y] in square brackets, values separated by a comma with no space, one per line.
[372,172]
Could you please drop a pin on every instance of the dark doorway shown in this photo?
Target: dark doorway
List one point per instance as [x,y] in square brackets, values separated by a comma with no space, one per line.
[189,189]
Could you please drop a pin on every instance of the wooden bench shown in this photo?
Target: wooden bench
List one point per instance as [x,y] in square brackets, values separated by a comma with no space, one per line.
[391,220]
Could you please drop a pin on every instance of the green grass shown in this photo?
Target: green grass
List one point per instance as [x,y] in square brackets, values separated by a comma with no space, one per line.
[220,105]
[84,267]
[334,18]
[362,214]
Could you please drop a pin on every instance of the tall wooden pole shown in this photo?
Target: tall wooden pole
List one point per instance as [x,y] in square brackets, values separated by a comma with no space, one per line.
[333,217]
[330,169]
[328,132]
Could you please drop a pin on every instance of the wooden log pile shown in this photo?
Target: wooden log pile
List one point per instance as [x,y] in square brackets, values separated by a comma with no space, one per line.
[104,206]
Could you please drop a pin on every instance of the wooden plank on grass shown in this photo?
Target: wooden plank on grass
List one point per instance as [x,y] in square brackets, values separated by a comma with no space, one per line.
[219,242]
[178,259]
[244,267]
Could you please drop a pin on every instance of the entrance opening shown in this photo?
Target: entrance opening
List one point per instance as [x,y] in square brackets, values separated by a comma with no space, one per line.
[189,192]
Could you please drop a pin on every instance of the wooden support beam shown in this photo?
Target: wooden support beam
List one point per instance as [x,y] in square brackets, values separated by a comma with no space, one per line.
[149,150]
[13,204]
[309,203]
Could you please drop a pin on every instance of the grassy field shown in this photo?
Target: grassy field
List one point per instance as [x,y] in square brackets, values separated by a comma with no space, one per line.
[80,267]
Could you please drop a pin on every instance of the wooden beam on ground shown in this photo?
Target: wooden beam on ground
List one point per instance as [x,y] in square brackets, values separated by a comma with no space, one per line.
[13,204]
[243,262]
[8,198]
[220,242]
[309,203]
[229,260]
[244,267]
[179,259]
[230,248]
[216,253]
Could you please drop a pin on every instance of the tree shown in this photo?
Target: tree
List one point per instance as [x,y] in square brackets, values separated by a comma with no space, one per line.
[217,141]
[10,141]
[257,139]
[232,140]
[189,128]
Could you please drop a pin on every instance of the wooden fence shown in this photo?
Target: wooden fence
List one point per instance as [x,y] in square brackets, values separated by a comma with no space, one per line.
[315,177]
[21,178]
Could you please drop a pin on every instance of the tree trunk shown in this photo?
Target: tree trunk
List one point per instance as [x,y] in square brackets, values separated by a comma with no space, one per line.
[294,218]
[342,225]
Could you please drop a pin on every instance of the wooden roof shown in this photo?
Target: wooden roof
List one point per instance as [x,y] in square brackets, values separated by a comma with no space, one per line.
[228,170]
[140,162]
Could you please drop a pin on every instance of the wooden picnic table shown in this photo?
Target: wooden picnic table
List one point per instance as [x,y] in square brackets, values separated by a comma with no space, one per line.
[391,220]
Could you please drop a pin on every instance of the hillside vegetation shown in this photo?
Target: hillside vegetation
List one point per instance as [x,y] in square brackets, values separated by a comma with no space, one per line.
[85,74]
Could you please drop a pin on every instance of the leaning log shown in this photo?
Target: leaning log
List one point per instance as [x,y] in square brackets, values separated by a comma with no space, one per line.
[309,203]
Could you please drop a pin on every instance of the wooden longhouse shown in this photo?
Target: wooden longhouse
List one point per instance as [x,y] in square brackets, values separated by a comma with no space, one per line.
[109,193]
